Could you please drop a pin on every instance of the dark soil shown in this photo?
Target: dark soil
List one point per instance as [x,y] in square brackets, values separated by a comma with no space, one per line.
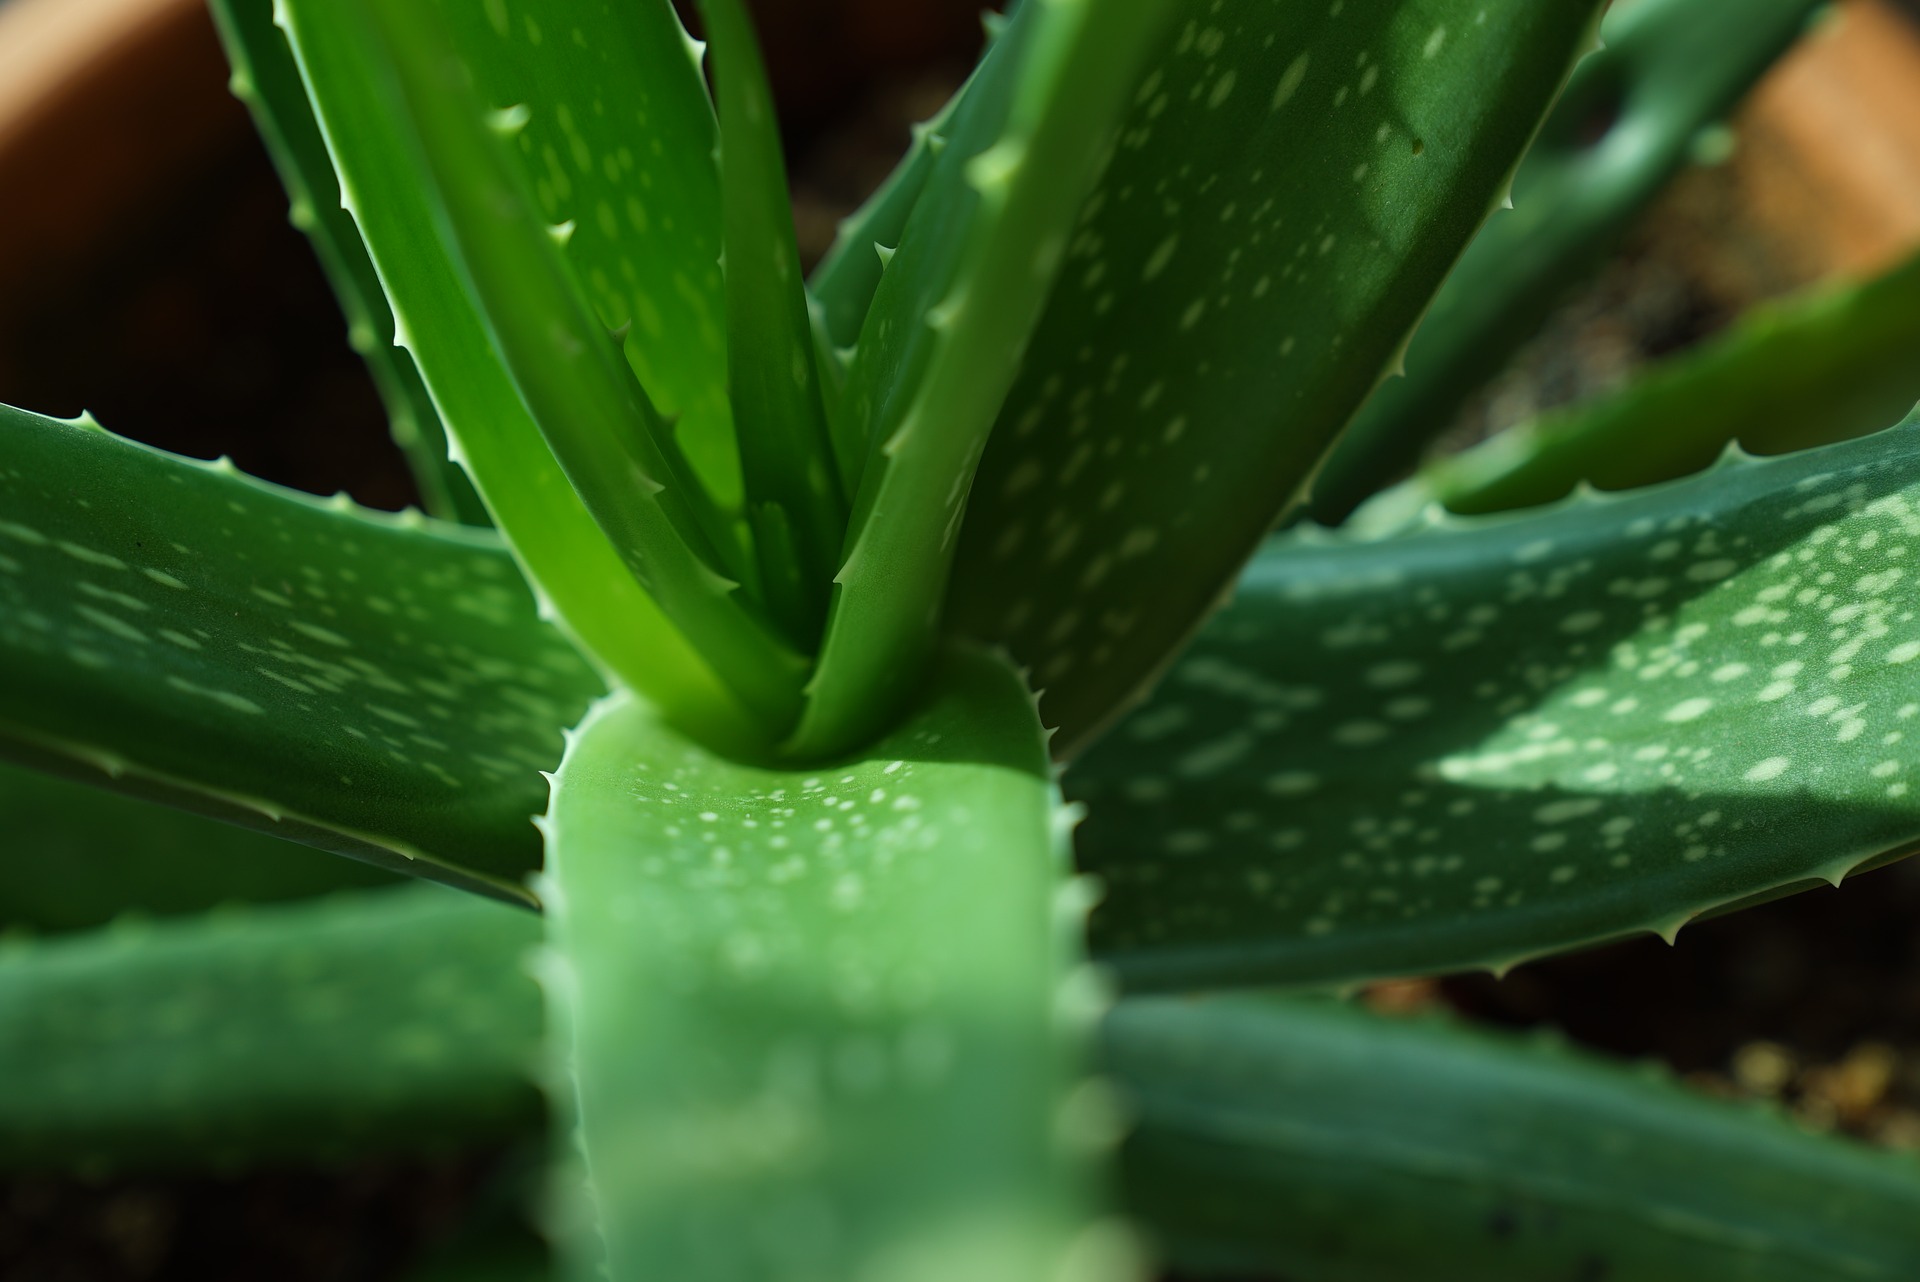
[209,330]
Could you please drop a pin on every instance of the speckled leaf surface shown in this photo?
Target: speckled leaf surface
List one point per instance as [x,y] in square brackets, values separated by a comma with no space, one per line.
[1312,1140]
[1465,745]
[571,564]
[266,78]
[1292,184]
[374,685]
[78,857]
[1838,362]
[302,1031]
[947,330]
[619,141]
[1303,1137]
[610,441]
[816,1021]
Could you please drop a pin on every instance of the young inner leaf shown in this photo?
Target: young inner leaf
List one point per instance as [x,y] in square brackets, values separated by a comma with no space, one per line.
[794,502]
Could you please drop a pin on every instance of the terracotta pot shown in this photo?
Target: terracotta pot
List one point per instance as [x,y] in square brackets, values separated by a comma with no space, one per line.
[101,102]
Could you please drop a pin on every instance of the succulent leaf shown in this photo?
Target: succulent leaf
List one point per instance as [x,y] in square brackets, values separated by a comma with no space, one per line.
[300,1031]
[377,686]
[1499,737]
[78,857]
[947,330]
[1310,1139]
[794,500]
[576,572]
[1669,70]
[1268,1136]
[1291,185]
[613,446]
[815,1021]
[610,116]
[266,78]
[1838,362]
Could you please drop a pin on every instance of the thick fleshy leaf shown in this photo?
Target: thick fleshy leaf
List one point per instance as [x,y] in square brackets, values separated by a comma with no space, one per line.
[1631,118]
[613,446]
[947,330]
[794,501]
[1838,363]
[311,1030]
[76,857]
[1268,1136]
[1463,745]
[377,686]
[1312,1140]
[618,135]
[1291,187]
[566,557]
[267,80]
[816,1022]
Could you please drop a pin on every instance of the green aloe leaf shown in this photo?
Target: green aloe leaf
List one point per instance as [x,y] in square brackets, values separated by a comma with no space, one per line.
[947,331]
[377,686]
[563,552]
[306,1031]
[794,501]
[266,78]
[1496,737]
[1293,1136]
[1291,186]
[815,1020]
[1312,1140]
[609,440]
[1669,71]
[618,138]
[77,857]
[1837,363]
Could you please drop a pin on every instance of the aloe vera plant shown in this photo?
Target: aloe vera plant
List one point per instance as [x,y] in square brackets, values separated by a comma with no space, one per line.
[816,597]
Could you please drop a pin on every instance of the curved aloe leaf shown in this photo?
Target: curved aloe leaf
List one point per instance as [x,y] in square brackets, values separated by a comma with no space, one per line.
[1311,1140]
[1293,1136]
[794,501]
[267,80]
[76,857]
[1838,363]
[316,1030]
[609,440]
[947,331]
[811,1019]
[1291,186]
[617,134]
[377,686]
[1670,69]
[1469,744]
[565,555]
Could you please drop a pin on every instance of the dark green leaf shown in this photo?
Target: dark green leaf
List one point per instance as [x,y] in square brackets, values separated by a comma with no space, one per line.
[305,1031]
[1498,737]
[77,857]
[1291,187]
[1311,1140]
[378,686]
